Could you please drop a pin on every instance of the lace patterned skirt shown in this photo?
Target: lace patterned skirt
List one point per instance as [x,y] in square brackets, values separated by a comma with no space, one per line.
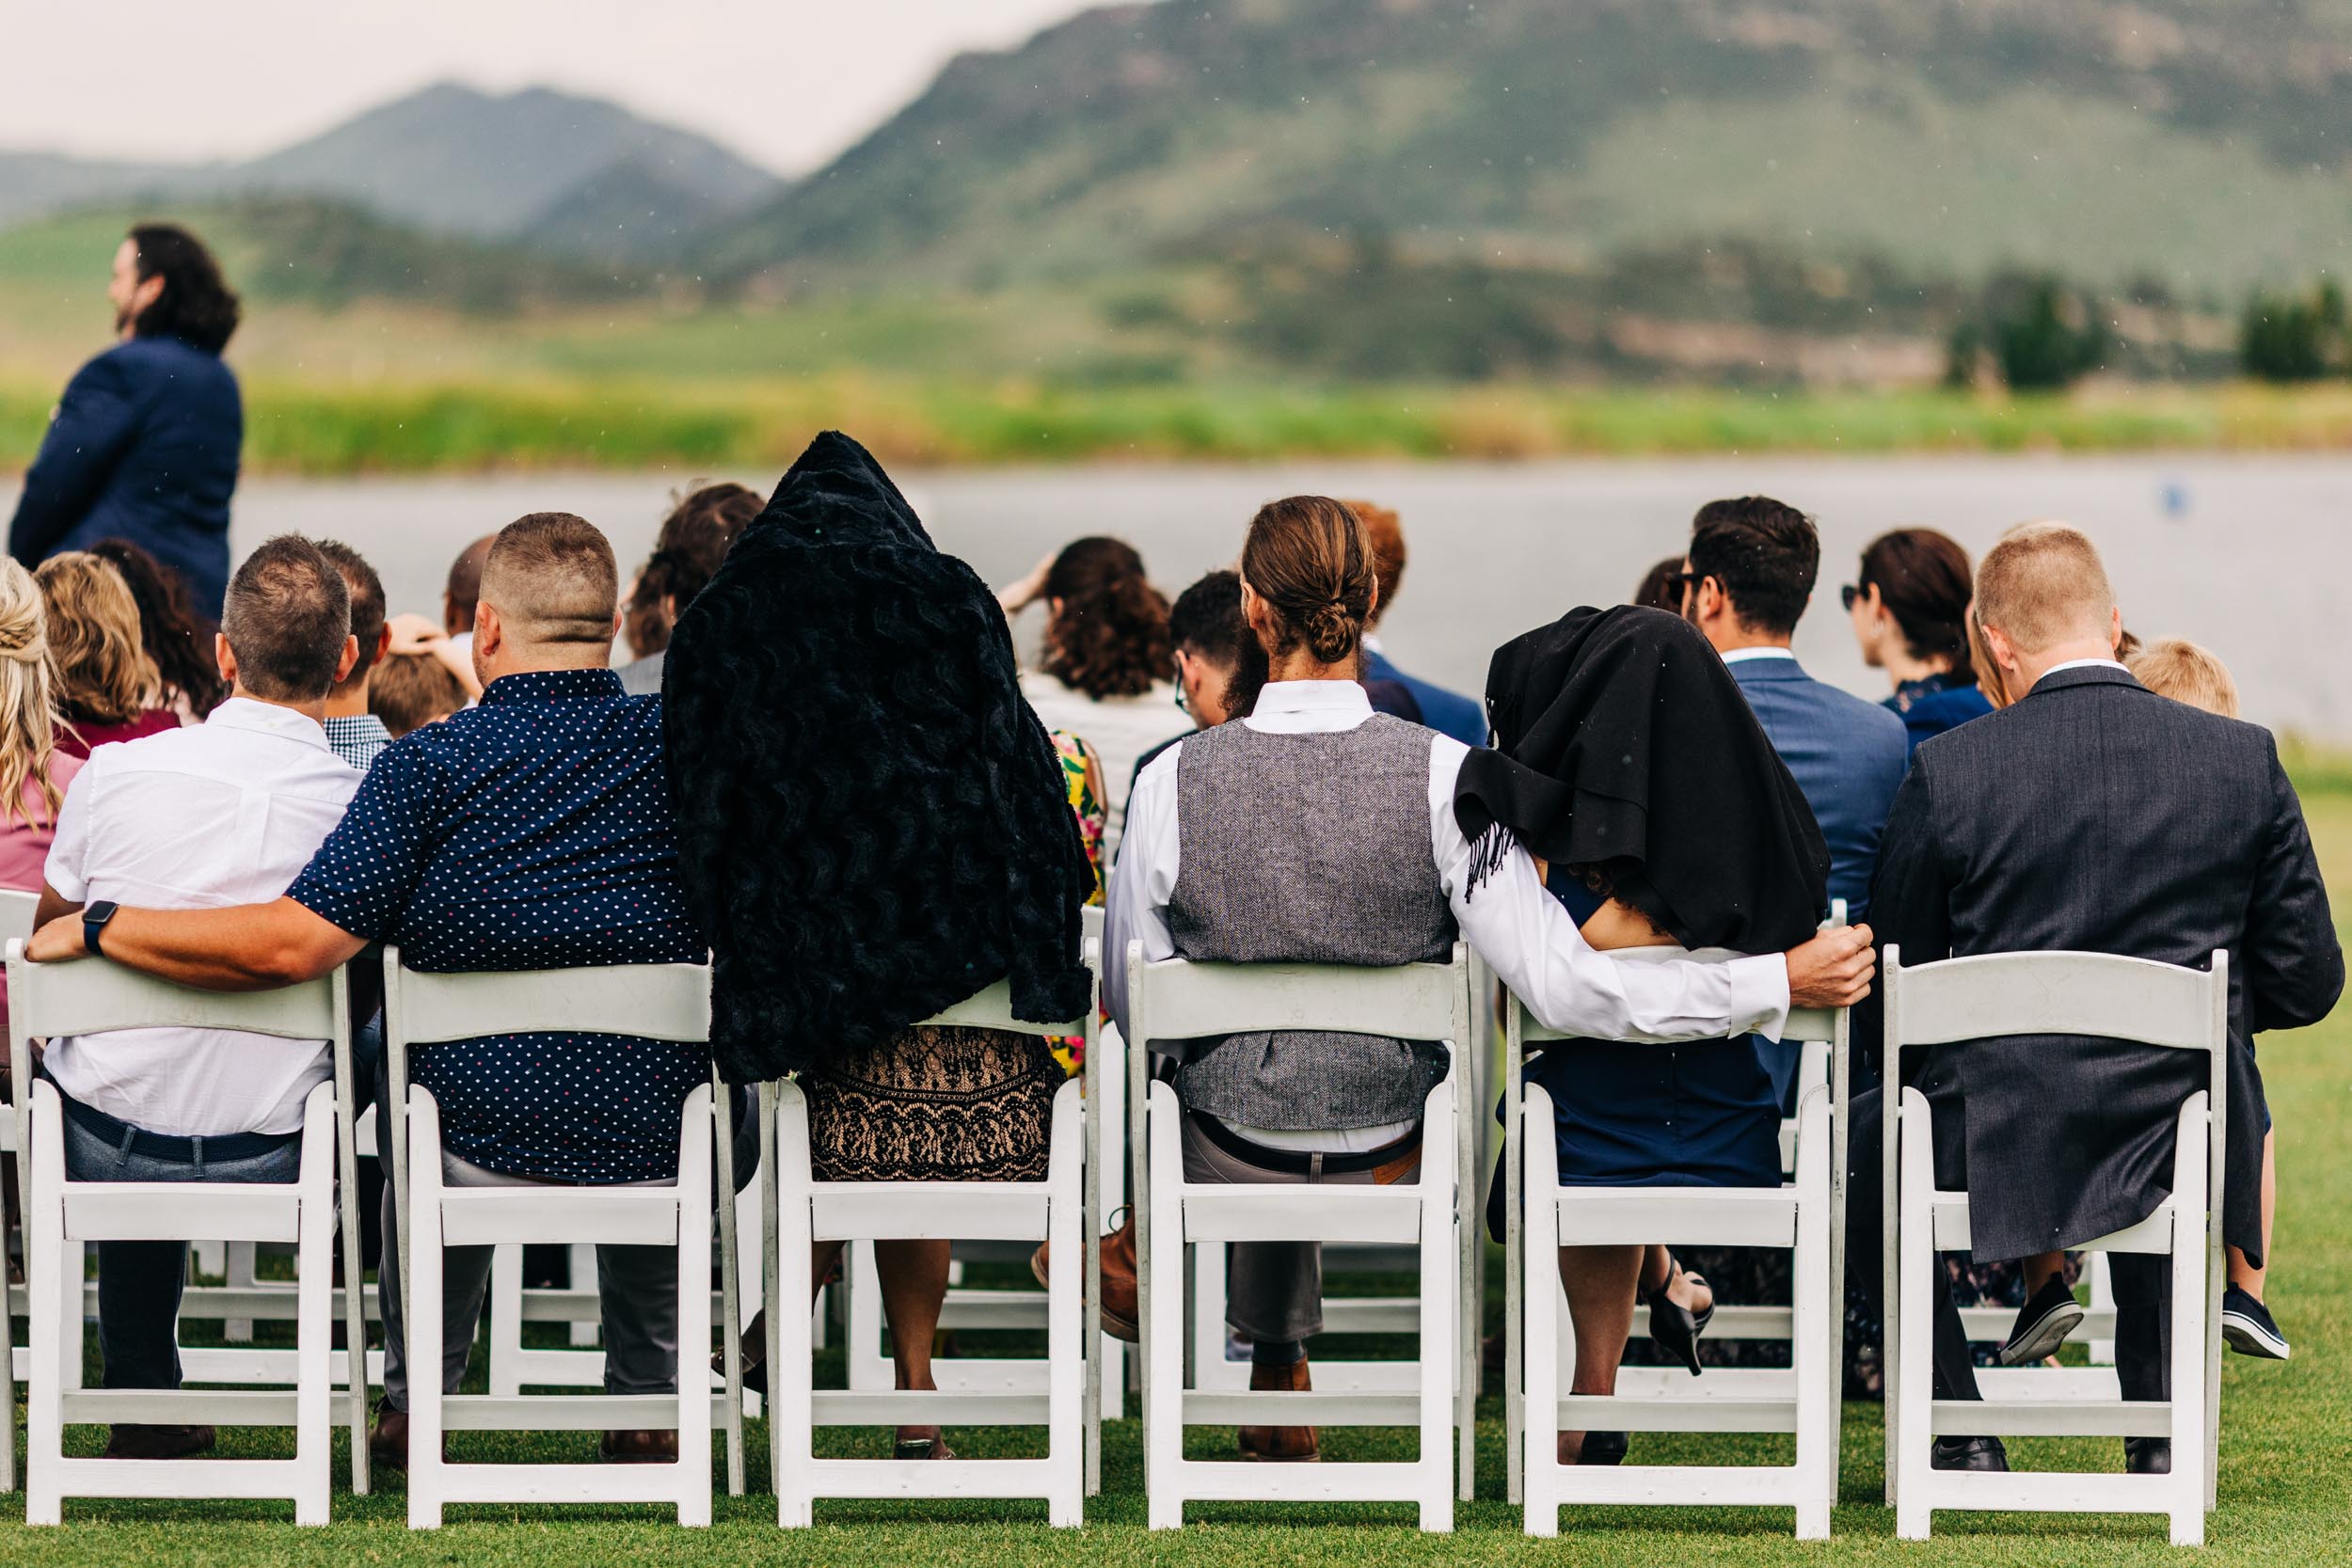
[934,1105]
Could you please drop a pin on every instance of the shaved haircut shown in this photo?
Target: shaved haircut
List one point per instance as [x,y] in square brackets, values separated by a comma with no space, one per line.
[551,574]
[2042,585]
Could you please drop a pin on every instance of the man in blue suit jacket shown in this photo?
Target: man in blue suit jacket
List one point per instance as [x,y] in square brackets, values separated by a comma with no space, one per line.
[145,442]
[1447,712]
[1751,569]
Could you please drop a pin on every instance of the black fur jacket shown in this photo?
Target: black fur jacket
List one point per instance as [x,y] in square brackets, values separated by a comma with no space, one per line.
[872,824]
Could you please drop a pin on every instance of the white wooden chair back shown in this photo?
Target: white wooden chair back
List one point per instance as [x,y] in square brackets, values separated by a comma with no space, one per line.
[661,1002]
[1064,1399]
[86,997]
[1955,1002]
[1818,1029]
[1174,1001]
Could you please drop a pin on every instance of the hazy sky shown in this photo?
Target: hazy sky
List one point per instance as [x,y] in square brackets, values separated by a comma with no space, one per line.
[786,82]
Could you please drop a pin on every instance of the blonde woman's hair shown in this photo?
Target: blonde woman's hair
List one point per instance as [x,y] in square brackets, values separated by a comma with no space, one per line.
[2176,668]
[100,668]
[28,718]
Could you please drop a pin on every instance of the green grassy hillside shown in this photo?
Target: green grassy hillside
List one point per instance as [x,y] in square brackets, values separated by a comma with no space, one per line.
[2111,140]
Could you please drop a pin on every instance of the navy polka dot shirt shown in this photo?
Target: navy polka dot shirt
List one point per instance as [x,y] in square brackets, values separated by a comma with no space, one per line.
[530,832]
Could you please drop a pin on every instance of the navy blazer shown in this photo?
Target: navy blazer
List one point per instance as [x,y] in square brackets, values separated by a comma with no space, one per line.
[1848,756]
[1446,712]
[144,447]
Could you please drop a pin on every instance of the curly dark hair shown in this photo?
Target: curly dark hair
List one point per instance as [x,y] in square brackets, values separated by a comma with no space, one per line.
[1109,638]
[195,306]
[177,637]
[701,527]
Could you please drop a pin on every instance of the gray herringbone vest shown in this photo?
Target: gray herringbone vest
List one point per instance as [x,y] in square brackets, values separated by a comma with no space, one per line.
[1308,848]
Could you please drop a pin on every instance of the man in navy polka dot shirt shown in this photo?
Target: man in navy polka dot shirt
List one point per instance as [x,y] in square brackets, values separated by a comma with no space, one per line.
[532,832]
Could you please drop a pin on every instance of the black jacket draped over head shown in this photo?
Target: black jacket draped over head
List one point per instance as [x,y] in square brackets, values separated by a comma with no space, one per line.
[872,824]
[1622,742]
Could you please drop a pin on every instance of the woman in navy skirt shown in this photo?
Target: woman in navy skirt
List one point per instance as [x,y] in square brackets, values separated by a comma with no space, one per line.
[1628,761]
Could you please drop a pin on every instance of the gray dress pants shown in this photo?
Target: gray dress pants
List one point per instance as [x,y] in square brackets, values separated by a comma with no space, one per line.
[1274,1290]
[637,1288]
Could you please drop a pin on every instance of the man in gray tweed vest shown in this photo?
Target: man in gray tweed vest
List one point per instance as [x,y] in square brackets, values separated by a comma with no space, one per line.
[1314,831]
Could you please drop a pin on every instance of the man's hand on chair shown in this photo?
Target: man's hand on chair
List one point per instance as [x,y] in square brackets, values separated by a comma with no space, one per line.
[1833,969]
[61,939]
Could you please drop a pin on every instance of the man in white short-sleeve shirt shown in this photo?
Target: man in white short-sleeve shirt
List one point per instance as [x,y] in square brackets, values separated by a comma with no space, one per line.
[225,812]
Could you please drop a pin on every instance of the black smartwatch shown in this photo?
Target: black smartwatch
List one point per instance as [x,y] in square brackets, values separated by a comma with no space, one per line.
[94,918]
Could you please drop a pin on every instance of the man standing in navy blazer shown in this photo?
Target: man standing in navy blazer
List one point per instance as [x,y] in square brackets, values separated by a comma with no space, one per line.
[145,442]
[1447,712]
[1748,575]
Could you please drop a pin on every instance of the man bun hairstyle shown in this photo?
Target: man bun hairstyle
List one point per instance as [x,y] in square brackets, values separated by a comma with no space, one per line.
[1311,560]
[1924,580]
[552,577]
[2041,583]
[286,616]
[195,306]
[1765,553]
[1109,638]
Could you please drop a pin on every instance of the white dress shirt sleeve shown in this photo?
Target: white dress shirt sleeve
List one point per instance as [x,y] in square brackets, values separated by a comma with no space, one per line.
[1143,880]
[67,870]
[1534,946]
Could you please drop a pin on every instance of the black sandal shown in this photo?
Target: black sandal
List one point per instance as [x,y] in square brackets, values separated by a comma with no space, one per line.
[1673,1327]
[1602,1447]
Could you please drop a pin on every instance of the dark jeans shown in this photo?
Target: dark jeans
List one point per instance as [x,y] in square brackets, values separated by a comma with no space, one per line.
[2143,1297]
[140,1282]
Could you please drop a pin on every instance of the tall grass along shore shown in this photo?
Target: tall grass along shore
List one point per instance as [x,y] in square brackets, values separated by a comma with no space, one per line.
[320,428]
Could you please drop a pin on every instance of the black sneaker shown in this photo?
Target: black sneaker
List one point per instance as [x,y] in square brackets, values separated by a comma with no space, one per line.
[2042,1325]
[2246,1323]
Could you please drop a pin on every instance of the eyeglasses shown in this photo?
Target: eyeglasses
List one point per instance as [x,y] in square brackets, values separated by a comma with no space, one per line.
[1676,584]
[1850,593]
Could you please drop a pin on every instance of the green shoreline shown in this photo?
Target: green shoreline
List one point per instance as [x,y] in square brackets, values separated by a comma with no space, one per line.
[329,429]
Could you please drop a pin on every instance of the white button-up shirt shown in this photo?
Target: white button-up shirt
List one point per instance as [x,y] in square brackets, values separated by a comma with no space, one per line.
[217,814]
[1519,928]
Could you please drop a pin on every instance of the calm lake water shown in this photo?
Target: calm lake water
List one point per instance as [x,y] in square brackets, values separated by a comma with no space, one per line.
[2249,555]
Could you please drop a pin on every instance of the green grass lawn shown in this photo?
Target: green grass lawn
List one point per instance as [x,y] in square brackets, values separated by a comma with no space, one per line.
[2286,1454]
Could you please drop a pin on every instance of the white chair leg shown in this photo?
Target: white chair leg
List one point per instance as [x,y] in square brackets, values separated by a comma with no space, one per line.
[1812,1352]
[1163,1268]
[771,1327]
[2189,1327]
[1065,1316]
[1914,1341]
[1539,1290]
[1440,1281]
[789,1365]
[314,1313]
[421,1316]
[506,1319]
[55,1270]
[693,1312]
[585,1333]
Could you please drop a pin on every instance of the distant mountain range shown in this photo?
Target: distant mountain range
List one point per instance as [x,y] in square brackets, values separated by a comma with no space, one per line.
[553,169]
[1543,189]
[2203,143]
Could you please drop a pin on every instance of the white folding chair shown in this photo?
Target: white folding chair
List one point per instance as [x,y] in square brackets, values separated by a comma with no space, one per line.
[1053,1210]
[48,1001]
[662,1002]
[1541,1216]
[2104,996]
[1214,1368]
[1174,1001]
[576,1305]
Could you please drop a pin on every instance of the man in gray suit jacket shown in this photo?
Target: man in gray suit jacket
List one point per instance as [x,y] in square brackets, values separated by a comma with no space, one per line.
[2093,815]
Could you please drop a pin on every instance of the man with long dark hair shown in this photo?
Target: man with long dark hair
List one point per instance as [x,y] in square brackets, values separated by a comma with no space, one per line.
[144,444]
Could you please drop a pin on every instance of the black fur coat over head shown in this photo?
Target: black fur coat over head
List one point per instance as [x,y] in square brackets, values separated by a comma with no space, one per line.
[872,824]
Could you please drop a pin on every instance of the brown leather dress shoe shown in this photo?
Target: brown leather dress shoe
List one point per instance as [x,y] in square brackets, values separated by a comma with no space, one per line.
[1118,1280]
[1280,1445]
[639,1448]
[131,1441]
